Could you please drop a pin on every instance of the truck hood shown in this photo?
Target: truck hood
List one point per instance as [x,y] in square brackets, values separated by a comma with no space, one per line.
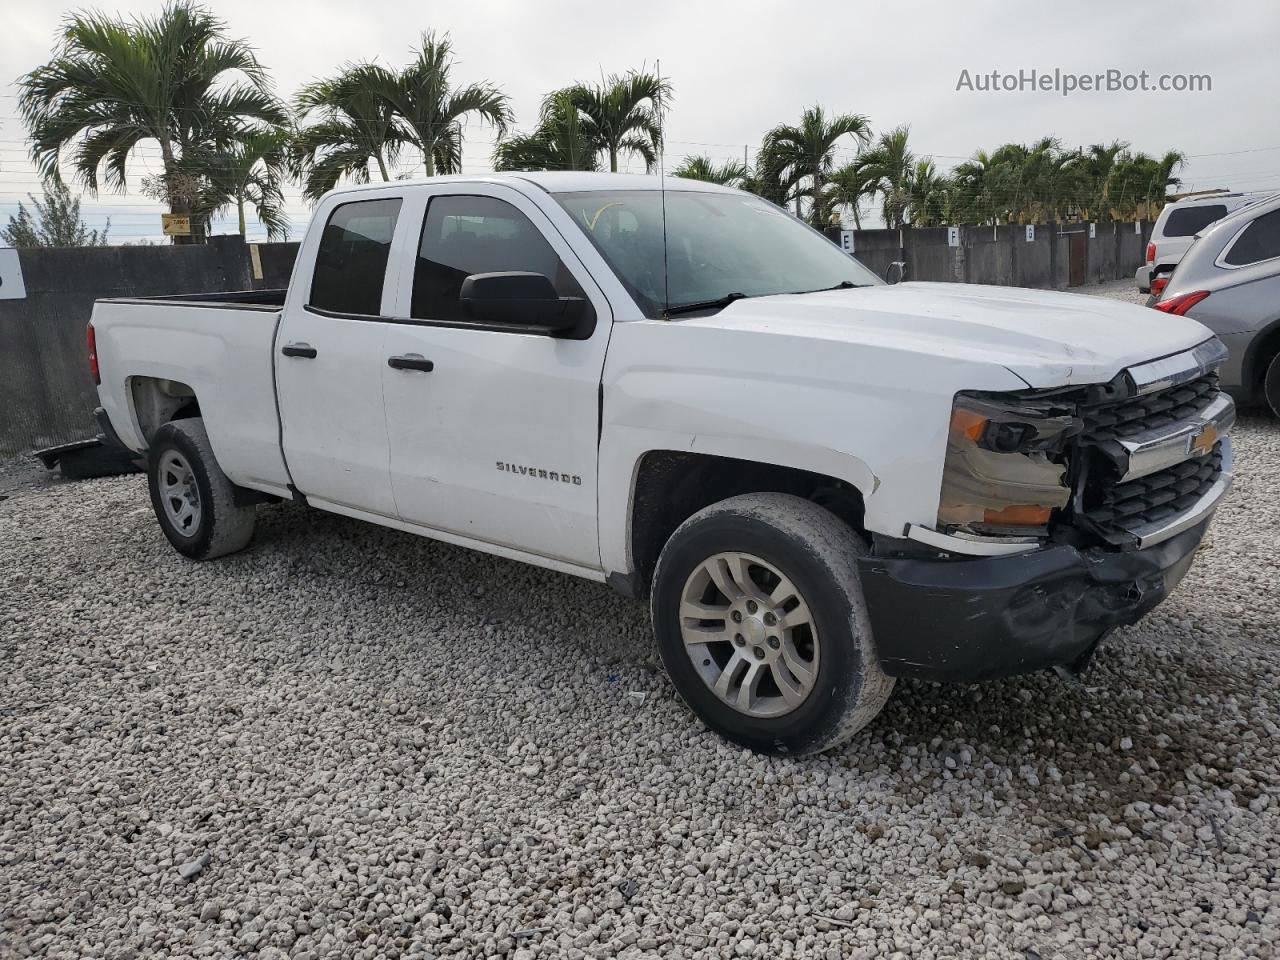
[1047,338]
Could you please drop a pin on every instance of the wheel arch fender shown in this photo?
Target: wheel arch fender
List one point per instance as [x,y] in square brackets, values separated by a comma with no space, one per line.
[623,474]
[1263,346]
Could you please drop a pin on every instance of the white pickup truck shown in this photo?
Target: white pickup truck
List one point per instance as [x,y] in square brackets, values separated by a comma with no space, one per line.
[820,482]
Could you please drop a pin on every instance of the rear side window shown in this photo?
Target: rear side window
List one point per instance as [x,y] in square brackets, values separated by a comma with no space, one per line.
[462,236]
[1188,221]
[1259,241]
[352,262]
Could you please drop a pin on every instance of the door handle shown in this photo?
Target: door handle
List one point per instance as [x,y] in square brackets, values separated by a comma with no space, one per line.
[411,361]
[304,350]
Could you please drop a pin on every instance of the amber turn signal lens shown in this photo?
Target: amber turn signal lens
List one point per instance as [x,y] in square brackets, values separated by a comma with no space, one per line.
[1021,515]
[968,423]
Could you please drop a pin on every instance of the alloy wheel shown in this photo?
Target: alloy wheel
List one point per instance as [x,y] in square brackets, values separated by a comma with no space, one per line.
[750,634]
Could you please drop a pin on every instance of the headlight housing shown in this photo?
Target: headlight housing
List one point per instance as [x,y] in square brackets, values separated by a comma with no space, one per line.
[1006,466]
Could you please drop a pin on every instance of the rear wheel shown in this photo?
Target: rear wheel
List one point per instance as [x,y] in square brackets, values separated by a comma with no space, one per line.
[1271,386]
[194,501]
[760,621]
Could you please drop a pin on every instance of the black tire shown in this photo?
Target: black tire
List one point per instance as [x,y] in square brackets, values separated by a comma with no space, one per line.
[220,527]
[1271,386]
[816,551]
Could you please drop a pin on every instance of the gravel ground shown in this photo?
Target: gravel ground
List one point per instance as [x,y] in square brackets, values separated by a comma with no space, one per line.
[348,741]
[24,474]
[1125,290]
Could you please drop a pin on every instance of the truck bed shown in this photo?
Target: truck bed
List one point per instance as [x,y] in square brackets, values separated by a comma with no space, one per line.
[218,347]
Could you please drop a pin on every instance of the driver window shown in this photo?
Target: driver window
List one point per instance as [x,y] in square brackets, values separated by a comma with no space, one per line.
[462,236]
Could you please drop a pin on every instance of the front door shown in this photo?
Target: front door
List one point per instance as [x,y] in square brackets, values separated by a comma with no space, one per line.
[330,354]
[497,441]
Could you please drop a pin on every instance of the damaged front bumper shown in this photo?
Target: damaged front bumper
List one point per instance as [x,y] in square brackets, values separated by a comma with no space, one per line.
[970,619]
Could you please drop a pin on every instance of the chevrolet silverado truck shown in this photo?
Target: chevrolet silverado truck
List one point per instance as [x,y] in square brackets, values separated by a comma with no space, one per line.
[819,482]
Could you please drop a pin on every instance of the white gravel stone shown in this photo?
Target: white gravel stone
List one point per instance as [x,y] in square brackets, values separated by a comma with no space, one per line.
[381,760]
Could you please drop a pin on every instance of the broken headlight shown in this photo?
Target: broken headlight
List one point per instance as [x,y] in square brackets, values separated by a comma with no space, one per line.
[1006,465]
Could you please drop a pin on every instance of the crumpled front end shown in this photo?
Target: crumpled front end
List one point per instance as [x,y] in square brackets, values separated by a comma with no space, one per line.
[1064,514]
[980,618]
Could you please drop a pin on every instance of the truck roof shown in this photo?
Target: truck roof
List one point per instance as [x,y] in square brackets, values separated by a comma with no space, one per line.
[560,181]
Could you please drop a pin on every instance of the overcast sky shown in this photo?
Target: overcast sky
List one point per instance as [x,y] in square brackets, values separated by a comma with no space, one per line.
[740,67]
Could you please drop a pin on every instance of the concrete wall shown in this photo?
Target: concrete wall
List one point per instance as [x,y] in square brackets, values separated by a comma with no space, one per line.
[876,248]
[929,258]
[46,394]
[1002,255]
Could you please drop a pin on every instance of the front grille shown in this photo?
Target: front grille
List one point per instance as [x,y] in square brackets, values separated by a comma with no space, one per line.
[1125,418]
[1127,506]
[1115,510]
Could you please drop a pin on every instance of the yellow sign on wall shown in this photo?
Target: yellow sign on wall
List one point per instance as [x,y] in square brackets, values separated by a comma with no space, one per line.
[175,225]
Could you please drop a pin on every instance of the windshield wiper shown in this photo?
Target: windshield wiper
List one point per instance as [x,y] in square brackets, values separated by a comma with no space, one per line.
[715,304]
[842,285]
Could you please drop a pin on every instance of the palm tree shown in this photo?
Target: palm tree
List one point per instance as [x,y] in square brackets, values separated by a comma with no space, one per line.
[929,195]
[974,183]
[886,169]
[1099,161]
[251,173]
[624,114]
[847,187]
[175,78]
[768,179]
[353,127]
[731,173]
[805,151]
[561,141]
[1164,180]
[1140,183]
[432,112]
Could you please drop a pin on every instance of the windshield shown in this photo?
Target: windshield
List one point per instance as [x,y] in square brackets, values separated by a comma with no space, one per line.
[720,244]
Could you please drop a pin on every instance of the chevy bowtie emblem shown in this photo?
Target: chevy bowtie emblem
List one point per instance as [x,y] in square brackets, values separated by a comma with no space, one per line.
[1202,443]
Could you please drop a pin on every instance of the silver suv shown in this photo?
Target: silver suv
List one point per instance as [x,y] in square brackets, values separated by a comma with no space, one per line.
[1230,281]
[1175,230]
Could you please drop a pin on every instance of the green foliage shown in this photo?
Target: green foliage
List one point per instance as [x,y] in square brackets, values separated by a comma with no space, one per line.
[56,222]
[801,156]
[352,126]
[250,173]
[562,140]
[175,78]
[432,112]
[623,114]
[367,113]
[731,173]
[1014,183]
[581,125]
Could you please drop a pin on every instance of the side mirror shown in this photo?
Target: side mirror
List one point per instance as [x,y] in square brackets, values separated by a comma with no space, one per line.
[520,299]
[895,272]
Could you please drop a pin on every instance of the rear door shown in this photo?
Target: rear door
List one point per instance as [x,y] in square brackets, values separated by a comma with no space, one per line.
[498,440]
[330,355]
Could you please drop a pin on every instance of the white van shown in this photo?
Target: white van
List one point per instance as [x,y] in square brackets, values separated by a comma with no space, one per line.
[1176,228]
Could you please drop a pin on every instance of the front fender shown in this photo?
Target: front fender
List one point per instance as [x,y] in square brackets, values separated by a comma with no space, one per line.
[875,418]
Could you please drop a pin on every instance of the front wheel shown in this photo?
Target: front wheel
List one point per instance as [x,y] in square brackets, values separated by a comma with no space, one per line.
[194,500]
[760,621]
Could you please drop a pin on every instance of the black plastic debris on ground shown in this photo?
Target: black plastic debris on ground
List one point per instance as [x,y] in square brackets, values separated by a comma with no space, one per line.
[85,459]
